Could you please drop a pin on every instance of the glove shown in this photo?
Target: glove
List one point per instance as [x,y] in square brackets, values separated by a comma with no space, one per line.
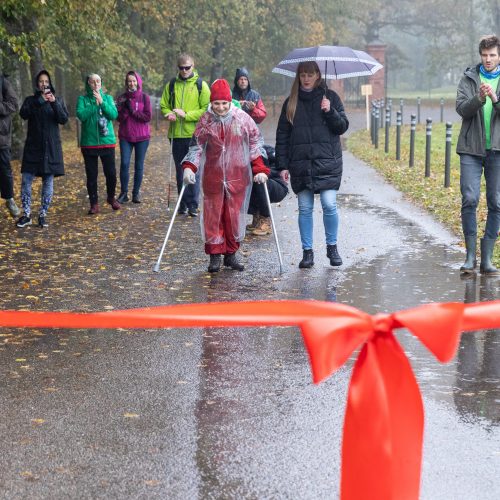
[128,104]
[260,178]
[188,176]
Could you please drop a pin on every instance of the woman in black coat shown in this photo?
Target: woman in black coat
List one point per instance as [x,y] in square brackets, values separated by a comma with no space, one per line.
[43,156]
[308,148]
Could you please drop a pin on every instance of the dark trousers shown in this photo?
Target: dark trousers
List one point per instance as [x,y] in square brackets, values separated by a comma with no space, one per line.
[6,179]
[92,168]
[191,196]
[258,201]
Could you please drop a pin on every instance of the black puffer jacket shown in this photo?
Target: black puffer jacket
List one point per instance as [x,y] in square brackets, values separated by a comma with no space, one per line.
[42,150]
[310,148]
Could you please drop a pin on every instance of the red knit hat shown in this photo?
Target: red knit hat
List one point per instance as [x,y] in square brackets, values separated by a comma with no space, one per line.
[220,91]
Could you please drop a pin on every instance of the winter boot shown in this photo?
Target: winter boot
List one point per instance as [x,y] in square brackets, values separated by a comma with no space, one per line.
[333,254]
[94,209]
[13,208]
[470,259]
[114,204]
[215,261]
[264,227]
[123,198]
[307,259]
[231,261]
[255,222]
[486,266]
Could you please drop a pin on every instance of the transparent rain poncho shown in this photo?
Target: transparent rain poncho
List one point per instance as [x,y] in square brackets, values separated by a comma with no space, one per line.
[222,148]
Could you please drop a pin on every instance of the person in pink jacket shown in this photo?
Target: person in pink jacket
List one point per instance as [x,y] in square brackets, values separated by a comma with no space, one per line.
[227,147]
[134,115]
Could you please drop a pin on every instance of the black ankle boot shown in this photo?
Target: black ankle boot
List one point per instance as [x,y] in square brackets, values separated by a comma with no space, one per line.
[333,254]
[307,259]
[215,261]
[231,261]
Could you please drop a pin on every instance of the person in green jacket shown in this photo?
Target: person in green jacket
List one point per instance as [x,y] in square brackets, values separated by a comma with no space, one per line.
[182,103]
[96,110]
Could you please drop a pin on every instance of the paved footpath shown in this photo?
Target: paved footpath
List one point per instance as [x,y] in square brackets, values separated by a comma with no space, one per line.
[223,413]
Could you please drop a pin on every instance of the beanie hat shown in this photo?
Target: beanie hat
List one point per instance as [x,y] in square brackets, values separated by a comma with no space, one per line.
[220,91]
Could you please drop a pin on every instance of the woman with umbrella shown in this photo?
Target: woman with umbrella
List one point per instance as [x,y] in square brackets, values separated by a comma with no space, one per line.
[308,148]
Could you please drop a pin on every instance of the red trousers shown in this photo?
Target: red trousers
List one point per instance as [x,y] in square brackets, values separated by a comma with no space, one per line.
[221,217]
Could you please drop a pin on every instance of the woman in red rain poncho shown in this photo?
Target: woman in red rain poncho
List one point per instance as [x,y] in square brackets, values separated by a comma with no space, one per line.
[227,148]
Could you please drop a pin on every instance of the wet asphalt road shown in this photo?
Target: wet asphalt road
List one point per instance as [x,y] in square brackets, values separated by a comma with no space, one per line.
[232,413]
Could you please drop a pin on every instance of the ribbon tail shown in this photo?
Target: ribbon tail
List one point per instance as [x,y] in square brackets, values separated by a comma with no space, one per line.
[383,429]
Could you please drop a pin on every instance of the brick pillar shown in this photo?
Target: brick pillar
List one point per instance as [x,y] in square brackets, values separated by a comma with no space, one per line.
[377,50]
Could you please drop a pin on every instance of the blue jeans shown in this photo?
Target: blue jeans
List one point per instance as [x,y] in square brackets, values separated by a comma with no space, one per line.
[330,216]
[125,154]
[47,193]
[471,170]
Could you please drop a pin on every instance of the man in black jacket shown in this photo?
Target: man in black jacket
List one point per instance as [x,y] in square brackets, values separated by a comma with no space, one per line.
[8,106]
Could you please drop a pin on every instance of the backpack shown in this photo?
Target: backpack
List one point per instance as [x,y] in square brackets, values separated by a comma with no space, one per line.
[171,91]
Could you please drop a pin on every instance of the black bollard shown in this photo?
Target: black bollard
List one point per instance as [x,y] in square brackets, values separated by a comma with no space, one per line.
[381,117]
[372,123]
[447,157]
[401,108]
[377,113]
[418,109]
[441,104]
[389,105]
[157,115]
[413,126]
[387,128]
[398,135]
[428,137]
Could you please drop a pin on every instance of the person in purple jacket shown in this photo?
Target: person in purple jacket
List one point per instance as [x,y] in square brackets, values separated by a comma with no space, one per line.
[134,115]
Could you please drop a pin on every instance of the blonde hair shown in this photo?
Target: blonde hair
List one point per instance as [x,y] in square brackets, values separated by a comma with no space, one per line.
[303,67]
[184,58]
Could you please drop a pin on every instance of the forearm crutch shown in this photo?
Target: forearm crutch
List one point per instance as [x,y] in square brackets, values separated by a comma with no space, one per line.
[274,227]
[156,269]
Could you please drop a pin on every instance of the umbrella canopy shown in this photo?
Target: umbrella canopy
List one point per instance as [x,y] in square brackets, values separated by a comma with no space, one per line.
[335,62]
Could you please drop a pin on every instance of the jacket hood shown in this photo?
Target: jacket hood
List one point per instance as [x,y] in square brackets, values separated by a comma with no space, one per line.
[88,89]
[139,81]
[35,81]
[239,73]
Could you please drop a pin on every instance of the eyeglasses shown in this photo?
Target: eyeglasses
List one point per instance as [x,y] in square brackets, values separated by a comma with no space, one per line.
[185,68]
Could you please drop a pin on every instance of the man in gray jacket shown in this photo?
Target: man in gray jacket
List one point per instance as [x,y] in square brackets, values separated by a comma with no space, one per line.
[478,104]
[8,106]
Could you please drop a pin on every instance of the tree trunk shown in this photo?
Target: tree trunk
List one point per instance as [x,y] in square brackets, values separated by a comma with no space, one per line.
[218,56]
[17,122]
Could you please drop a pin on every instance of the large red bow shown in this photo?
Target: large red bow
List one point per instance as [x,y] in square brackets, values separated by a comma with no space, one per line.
[382,442]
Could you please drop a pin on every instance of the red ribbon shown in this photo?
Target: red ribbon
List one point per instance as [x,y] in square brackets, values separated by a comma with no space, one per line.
[383,429]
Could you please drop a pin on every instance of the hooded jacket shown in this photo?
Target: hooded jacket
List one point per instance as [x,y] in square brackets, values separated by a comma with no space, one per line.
[472,138]
[8,106]
[88,112]
[134,113]
[188,99]
[259,112]
[228,151]
[310,148]
[42,153]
